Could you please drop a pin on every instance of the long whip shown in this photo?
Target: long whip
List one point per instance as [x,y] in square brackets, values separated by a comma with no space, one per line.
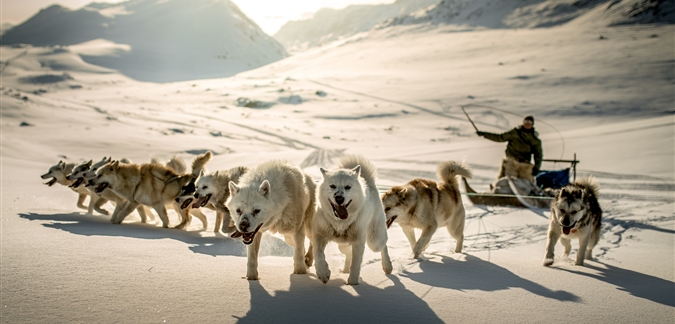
[469,118]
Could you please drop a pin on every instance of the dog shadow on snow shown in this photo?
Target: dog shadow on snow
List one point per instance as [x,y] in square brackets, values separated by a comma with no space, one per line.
[476,274]
[637,284]
[310,301]
[88,225]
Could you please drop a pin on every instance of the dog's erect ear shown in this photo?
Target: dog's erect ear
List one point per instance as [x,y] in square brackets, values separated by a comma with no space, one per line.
[323,172]
[233,188]
[115,165]
[201,173]
[89,163]
[264,189]
[109,159]
[62,165]
[215,175]
[401,192]
[357,170]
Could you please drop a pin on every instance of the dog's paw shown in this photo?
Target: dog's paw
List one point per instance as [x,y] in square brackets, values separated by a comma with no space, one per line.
[252,277]
[308,261]
[352,280]
[300,271]
[387,267]
[323,276]
[102,211]
[579,263]
[548,262]
[420,257]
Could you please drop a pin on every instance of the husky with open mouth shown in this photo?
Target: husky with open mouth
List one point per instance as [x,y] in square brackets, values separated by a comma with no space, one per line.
[212,191]
[77,177]
[86,171]
[350,213]
[575,214]
[152,184]
[278,197]
[428,205]
[59,174]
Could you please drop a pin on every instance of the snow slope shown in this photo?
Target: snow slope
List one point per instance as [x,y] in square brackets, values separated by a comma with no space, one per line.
[328,25]
[165,41]
[539,13]
[392,94]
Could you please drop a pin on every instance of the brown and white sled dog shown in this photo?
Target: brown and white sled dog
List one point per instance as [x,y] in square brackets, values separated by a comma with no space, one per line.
[575,213]
[428,205]
[212,191]
[81,174]
[151,184]
[350,213]
[277,197]
[58,173]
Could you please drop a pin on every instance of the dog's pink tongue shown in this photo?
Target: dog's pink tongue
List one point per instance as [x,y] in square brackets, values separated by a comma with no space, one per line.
[342,212]
[199,202]
[566,230]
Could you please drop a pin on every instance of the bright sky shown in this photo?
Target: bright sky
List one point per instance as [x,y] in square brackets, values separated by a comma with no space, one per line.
[270,15]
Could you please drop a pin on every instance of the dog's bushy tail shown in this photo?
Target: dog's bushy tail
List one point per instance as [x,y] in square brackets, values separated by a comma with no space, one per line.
[368,170]
[589,183]
[236,173]
[449,170]
[200,161]
[177,164]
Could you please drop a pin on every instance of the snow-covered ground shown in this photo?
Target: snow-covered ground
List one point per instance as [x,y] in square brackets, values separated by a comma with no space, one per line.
[393,95]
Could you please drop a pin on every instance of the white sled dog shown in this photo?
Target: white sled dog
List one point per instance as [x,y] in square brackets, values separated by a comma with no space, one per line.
[277,197]
[427,205]
[212,191]
[350,213]
[575,213]
[58,173]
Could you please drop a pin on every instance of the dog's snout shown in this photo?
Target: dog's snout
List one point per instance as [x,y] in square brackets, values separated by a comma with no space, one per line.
[91,182]
[196,195]
[339,200]
[244,225]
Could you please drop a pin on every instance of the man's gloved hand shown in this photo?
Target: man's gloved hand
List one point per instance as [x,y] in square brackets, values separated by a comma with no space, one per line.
[479,133]
[535,171]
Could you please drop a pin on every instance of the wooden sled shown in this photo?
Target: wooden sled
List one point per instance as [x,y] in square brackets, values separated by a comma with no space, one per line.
[490,199]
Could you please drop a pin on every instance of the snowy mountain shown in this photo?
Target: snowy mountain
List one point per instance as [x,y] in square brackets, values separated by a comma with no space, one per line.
[539,13]
[168,40]
[329,25]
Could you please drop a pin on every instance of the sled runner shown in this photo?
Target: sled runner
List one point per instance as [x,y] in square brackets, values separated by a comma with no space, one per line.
[516,192]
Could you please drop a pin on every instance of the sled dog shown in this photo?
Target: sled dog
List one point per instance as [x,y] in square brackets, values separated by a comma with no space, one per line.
[277,197]
[427,205]
[212,191]
[82,175]
[198,166]
[58,173]
[151,184]
[76,176]
[350,213]
[575,214]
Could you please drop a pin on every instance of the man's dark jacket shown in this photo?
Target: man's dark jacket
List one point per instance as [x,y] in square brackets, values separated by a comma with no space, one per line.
[523,144]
